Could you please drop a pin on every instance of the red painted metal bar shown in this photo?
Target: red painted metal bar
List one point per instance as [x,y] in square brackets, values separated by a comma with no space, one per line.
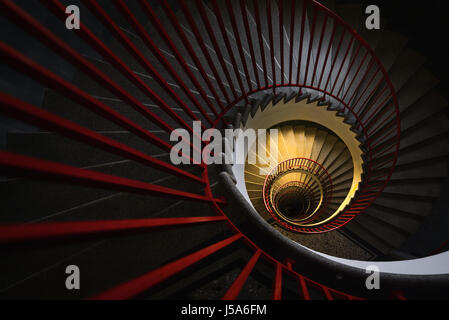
[327,293]
[12,233]
[52,171]
[225,36]
[320,45]
[329,47]
[356,75]
[388,144]
[281,38]
[292,38]
[277,285]
[312,38]
[250,41]
[272,47]
[303,287]
[41,118]
[381,136]
[261,43]
[398,295]
[23,19]
[368,84]
[202,10]
[379,174]
[137,286]
[204,49]
[380,111]
[159,55]
[385,144]
[187,44]
[379,131]
[303,25]
[440,248]
[384,135]
[372,101]
[169,42]
[59,10]
[337,52]
[115,30]
[22,63]
[363,106]
[239,42]
[342,65]
[238,284]
[351,64]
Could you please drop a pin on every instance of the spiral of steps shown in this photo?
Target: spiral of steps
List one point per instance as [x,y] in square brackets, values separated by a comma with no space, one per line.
[86,118]
[324,156]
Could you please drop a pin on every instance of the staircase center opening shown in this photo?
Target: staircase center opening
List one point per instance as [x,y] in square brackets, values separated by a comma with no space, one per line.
[292,205]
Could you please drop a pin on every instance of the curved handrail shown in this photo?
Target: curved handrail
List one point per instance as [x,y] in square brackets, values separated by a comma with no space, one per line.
[310,166]
[347,275]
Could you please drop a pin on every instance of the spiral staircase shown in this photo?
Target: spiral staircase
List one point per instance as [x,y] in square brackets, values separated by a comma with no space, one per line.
[325,169]
[86,122]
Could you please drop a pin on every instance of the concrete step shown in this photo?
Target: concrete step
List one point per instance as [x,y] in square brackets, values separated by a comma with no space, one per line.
[418,208]
[368,236]
[56,200]
[433,147]
[405,66]
[46,145]
[429,104]
[390,47]
[429,188]
[436,126]
[417,86]
[103,95]
[428,168]
[352,15]
[408,223]
[391,234]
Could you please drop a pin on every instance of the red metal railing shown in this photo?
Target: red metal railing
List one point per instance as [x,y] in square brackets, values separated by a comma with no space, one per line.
[308,167]
[441,248]
[369,99]
[309,192]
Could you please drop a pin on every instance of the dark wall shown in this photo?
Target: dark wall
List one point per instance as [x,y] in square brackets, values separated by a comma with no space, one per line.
[426,24]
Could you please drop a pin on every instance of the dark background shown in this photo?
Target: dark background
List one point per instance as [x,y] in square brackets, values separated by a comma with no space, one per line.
[426,24]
